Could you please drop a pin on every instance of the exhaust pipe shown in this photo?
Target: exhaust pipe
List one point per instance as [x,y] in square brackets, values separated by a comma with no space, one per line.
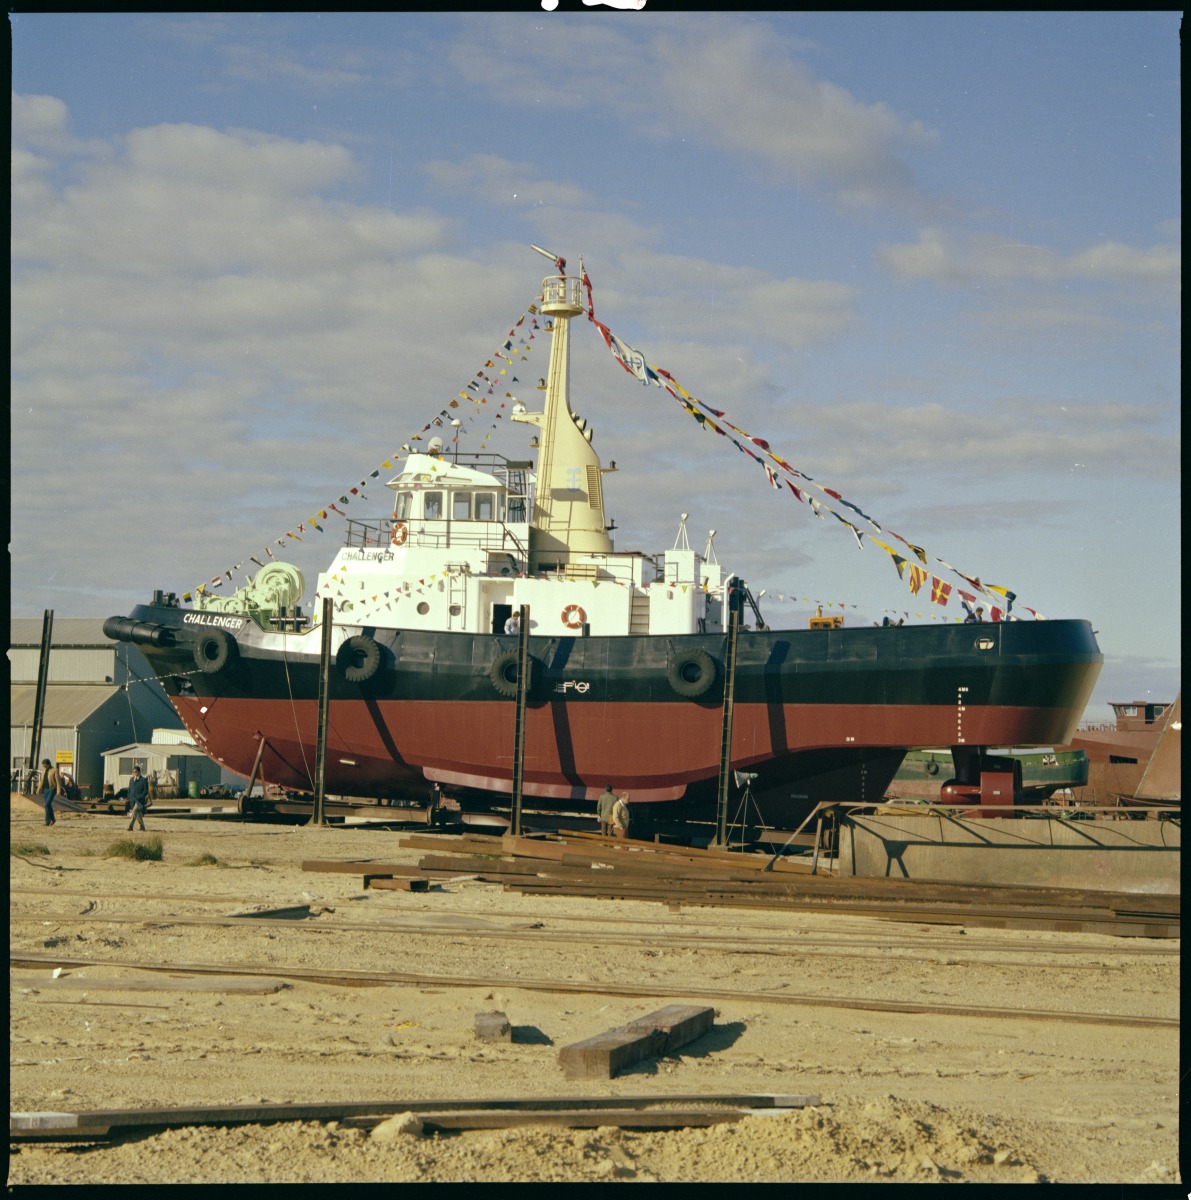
[142,633]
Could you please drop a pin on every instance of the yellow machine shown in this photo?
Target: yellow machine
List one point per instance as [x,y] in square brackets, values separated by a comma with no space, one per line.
[819,621]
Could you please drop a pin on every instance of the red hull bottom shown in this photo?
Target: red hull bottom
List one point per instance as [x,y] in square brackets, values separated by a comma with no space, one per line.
[654,751]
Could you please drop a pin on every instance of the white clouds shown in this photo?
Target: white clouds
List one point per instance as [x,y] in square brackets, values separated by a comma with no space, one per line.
[717,82]
[42,123]
[192,299]
[181,197]
[743,92]
[505,183]
[966,260]
[998,448]
[744,304]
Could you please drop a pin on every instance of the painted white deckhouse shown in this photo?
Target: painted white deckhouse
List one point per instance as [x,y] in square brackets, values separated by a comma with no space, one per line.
[457,558]
[466,548]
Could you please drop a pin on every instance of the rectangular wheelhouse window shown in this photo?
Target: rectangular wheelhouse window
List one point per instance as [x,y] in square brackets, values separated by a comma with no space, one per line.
[461,506]
[485,506]
[432,505]
[405,501]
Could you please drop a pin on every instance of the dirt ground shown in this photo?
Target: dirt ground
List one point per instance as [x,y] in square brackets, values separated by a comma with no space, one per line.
[903,1097]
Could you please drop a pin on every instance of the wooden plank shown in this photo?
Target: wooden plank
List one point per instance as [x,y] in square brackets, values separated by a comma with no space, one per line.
[460,843]
[194,983]
[361,867]
[97,1122]
[640,866]
[609,1053]
[461,865]
[623,1118]
[350,866]
[388,884]
[531,848]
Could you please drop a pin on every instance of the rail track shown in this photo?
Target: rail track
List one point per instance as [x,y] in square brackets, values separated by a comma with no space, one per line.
[361,978]
[925,947]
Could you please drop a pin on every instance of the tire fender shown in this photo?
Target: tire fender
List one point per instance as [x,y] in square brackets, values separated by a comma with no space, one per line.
[691,673]
[503,673]
[358,658]
[214,650]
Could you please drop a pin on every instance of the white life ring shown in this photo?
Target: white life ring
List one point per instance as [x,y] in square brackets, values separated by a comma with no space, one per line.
[399,533]
[573,617]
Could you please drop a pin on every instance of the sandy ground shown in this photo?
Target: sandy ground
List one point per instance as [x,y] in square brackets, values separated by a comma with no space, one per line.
[903,1098]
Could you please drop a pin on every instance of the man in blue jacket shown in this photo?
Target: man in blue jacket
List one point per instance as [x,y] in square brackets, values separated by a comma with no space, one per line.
[138,797]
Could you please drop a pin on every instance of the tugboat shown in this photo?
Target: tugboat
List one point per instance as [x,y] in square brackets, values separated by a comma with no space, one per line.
[627,653]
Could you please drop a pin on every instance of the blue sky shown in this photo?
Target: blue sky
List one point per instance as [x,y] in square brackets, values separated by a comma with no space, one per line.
[934,260]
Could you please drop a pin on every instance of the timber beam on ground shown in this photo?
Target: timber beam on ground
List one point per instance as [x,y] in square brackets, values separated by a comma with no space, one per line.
[345,977]
[663,1112]
[662,1032]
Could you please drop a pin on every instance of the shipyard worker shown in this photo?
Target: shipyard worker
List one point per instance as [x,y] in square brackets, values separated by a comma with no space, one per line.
[513,625]
[604,806]
[51,786]
[138,798]
[620,815]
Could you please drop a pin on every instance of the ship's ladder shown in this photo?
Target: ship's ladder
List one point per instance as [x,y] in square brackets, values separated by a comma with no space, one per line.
[639,614]
[456,600]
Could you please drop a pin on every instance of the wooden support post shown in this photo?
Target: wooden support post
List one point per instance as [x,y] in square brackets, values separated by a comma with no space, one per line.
[324,703]
[519,719]
[607,1054]
[246,794]
[721,806]
[43,678]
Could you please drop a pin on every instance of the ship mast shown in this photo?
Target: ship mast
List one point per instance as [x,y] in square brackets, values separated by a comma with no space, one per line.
[568,519]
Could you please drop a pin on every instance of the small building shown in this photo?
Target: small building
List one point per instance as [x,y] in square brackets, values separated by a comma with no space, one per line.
[1118,754]
[173,766]
[99,694]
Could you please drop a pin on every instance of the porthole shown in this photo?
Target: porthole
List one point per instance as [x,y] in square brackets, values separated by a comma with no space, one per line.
[984,643]
[456,610]
[423,607]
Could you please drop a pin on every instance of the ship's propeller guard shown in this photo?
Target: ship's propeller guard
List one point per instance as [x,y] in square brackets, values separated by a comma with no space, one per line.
[214,650]
[503,673]
[358,659]
[691,673]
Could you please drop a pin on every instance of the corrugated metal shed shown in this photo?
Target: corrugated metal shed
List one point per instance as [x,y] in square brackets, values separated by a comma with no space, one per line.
[73,664]
[64,704]
[84,711]
[161,750]
[68,631]
[79,653]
